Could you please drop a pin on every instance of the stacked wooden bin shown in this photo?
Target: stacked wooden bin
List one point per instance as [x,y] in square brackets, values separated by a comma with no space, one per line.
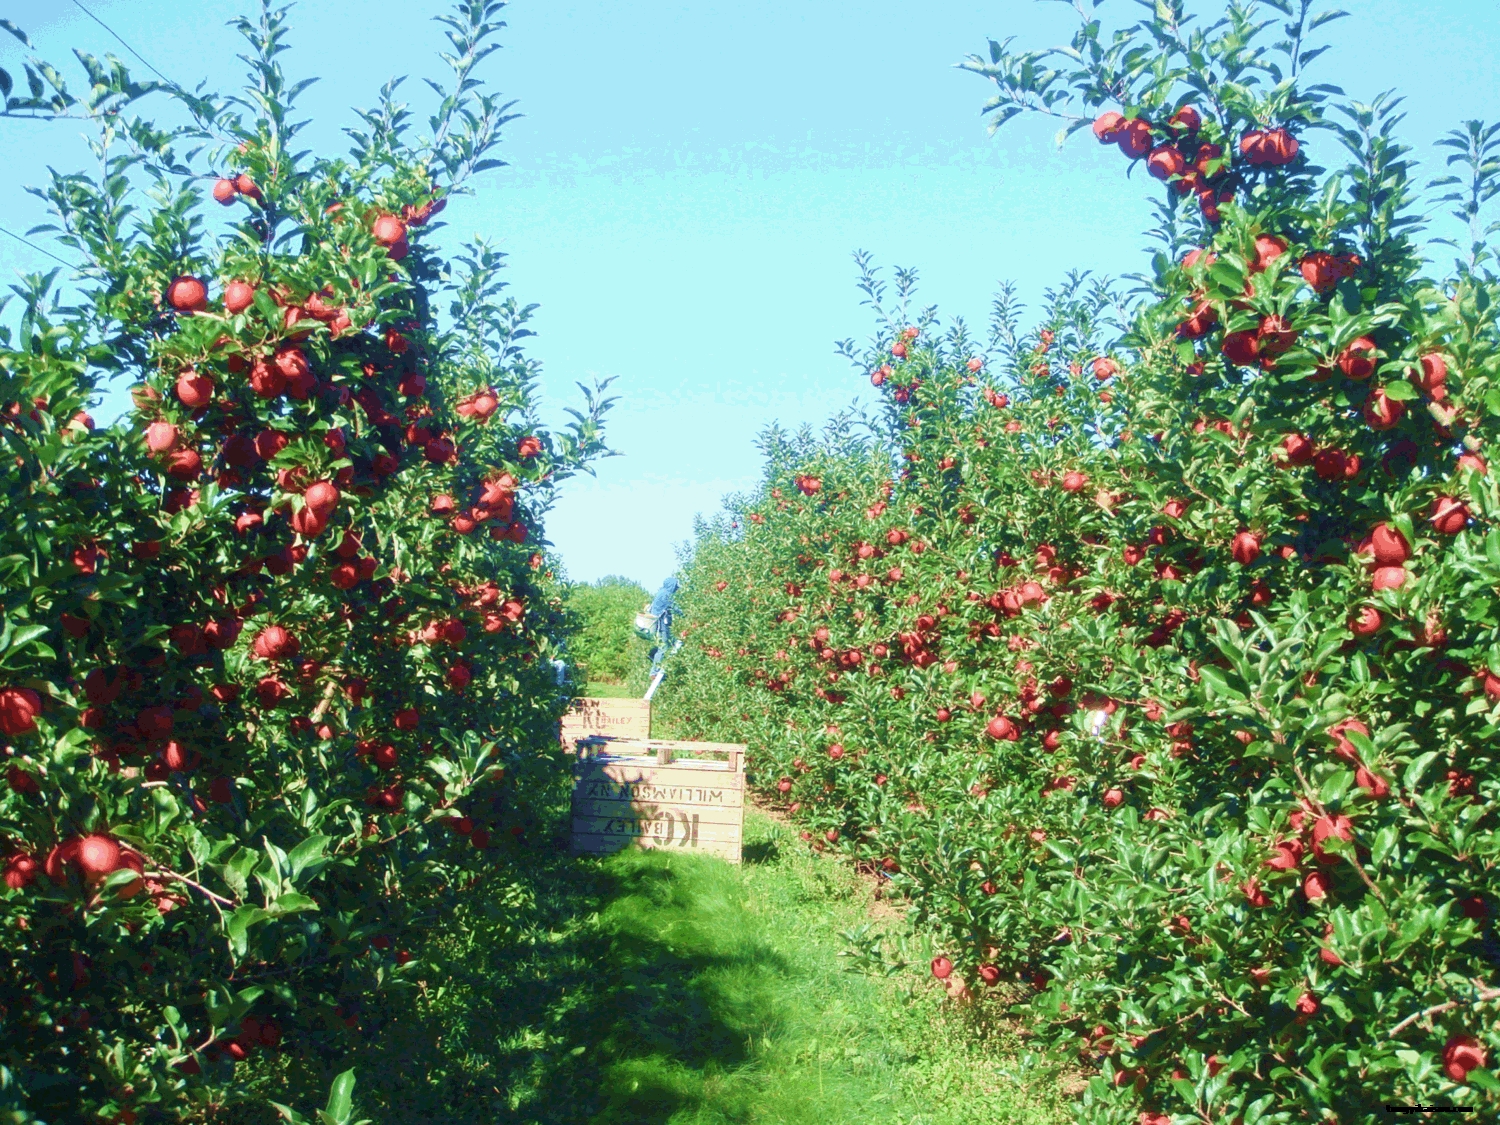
[637,791]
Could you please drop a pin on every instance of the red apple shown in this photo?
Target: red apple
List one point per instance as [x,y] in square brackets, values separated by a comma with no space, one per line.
[1246,548]
[1449,515]
[238,296]
[1357,360]
[1461,1054]
[1107,127]
[187,295]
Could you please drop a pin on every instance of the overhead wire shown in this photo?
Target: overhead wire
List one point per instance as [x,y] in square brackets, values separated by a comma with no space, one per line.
[124,44]
[37,248]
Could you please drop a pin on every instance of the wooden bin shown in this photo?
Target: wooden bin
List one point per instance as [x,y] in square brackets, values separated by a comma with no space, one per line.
[652,793]
[614,718]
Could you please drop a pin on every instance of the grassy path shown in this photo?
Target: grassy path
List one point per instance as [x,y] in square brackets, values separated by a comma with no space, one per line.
[667,989]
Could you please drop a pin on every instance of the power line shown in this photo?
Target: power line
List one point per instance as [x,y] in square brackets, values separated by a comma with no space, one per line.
[37,248]
[124,44]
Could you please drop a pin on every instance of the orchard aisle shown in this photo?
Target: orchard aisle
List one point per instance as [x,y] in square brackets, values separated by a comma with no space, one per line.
[677,989]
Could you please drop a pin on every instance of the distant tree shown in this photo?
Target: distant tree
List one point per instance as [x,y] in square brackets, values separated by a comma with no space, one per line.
[607,648]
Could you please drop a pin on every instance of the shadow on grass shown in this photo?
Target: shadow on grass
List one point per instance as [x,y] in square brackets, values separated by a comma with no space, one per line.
[761,851]
[630,998]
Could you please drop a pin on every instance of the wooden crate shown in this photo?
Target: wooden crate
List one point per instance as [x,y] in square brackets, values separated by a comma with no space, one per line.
[615,718]
[653,793]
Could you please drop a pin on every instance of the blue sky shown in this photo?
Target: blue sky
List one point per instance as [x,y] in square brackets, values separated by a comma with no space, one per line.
[689,181]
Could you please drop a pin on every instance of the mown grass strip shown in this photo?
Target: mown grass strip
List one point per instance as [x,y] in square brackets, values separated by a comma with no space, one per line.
[669,989]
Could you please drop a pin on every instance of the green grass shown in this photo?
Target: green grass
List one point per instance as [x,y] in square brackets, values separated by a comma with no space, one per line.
[599,689]
[668,989]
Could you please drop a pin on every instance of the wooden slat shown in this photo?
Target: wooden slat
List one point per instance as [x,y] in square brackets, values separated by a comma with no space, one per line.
[651,810]
[637,772]
[698,791]
[588,844]
[679,831]
[650,745]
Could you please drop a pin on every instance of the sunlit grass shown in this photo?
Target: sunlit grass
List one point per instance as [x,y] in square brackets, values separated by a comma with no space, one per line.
[668,989]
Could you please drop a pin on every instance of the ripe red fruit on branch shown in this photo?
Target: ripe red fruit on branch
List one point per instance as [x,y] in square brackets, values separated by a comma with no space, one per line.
[388,230]
[1389,545]
[1461,1054]
[161,437]
[1000,727]
[194,390]
[1342,746]
[1372,783]
[1275,336]
[1185,120]
[1285,856]
[1107,127]
[322,497]
[1199,322]
[1357,360]
[98,856]
[238,296]
[1241,348]
[265,379]
[529,447]
[19,708]
[184,464]
[1134,138]
[1165,161]
[1269,148]
[1335,464]
[1433,376]
[1381,411]
[1298,449]
[275,643]
[1448,515]
[942,968]
[1327,827]
[1365,622]
[1267,249]
[1245,548]
[1104,367]
[187,295]
[225,191]
[21,871]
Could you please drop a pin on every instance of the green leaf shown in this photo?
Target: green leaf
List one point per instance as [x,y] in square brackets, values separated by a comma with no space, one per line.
[1400,391]
[1218,684]
[311,851]
[239,926]
[1413,775]
[1484,1080]
[340,1099]
[1383,845]
[293,902]
[1334,788]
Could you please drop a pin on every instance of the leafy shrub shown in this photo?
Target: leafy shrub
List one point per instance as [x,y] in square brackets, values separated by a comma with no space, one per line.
[274,670]
[1163,671]
[606,647]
